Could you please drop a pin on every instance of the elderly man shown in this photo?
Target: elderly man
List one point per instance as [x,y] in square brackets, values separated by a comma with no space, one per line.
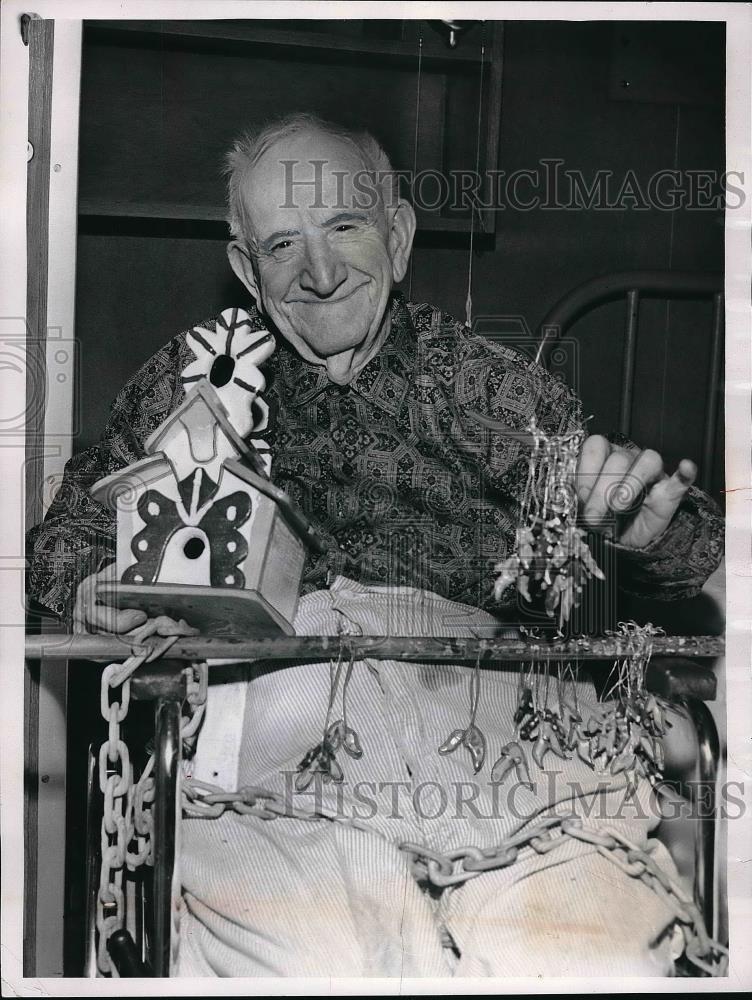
[375,435]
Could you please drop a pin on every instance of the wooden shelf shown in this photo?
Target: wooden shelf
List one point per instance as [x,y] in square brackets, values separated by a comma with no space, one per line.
[178,92]
[435,52]
[151,210]
[169,211]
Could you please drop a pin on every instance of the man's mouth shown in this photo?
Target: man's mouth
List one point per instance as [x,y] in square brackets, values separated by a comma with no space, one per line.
[335,300]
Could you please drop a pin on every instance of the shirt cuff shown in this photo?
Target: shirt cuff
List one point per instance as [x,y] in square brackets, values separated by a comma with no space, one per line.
[676,564]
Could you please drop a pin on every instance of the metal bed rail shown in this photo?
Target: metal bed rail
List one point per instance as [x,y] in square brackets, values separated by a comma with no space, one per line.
[437,648]
[635,286]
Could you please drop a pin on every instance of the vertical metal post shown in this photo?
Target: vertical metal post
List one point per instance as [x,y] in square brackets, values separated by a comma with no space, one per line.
[93,860]
[705,831]
[628,365]
[711,404]
[166,819]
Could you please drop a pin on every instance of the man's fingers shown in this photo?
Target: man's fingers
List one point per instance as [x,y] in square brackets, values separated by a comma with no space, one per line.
[666,496]
[607,489]
[659,507]
[595,450]
[686,473]
[163,626]
[646,470]
[89,615]
[108,619]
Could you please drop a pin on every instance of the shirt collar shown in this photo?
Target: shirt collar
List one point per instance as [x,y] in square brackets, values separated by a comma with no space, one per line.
[383,381]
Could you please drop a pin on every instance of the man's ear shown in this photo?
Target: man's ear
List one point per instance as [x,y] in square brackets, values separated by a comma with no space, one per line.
[401,235]
[240,261]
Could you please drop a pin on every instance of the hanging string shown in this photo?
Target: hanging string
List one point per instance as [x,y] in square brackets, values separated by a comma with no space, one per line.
[415,151]
[469,299]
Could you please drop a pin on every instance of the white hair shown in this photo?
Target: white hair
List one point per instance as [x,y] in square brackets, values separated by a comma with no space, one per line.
[248,149]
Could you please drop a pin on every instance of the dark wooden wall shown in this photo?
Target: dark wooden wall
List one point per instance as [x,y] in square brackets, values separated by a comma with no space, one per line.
[140,284]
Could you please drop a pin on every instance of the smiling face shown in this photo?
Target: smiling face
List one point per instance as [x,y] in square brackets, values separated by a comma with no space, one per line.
[325,251]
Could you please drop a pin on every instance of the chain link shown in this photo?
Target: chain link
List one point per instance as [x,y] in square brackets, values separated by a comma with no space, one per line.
[461,864]
[116,786]
[127,822]
[202,800]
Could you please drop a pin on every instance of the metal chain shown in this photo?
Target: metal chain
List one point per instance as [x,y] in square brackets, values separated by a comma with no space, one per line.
[127,821]
[202,800]
[118,817]
[463,863]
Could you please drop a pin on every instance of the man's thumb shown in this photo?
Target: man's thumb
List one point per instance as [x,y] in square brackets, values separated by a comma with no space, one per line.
[677,485]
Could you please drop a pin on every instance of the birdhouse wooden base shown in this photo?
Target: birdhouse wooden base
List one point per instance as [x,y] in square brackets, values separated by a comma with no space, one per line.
[213,610]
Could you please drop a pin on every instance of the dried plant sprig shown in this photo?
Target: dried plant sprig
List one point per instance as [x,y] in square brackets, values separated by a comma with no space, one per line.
[551,559]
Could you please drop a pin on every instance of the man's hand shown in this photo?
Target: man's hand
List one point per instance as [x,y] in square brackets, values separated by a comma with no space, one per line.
[88,616]
[630,488]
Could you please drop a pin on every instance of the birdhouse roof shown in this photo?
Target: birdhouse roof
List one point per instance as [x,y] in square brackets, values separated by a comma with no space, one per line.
[195,416]
[132,480]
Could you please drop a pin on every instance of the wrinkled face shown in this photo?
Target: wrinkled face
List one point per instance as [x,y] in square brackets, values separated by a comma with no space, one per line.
[322,259]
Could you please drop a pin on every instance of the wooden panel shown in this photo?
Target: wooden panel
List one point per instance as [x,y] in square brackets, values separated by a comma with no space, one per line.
[59,419]
[54,67]
[41,39]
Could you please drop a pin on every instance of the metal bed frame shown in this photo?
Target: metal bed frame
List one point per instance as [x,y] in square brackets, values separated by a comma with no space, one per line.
[634,286]
[676,671]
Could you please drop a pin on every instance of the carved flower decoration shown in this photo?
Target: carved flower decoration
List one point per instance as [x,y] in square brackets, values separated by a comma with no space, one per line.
[229,357]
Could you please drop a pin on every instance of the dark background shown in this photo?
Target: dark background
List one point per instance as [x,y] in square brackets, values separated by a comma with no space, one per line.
[158,113]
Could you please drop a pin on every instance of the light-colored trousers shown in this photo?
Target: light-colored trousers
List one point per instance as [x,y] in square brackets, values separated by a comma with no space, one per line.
[287,897]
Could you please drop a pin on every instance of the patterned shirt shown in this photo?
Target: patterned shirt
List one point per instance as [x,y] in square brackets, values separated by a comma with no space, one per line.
[394,470]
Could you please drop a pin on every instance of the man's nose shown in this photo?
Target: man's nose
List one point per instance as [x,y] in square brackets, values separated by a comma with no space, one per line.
[323,270]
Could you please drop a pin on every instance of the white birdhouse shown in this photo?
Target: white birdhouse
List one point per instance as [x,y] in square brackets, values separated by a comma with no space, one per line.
[202,533]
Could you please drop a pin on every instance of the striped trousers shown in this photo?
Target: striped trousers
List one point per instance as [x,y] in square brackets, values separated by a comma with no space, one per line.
[337,897]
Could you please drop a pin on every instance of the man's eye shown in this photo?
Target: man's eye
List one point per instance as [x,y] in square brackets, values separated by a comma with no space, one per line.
[343,227]
[282,245]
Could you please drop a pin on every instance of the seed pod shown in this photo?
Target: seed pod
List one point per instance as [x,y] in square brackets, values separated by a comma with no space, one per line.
[624,762]
[334,771]
[555,744]
[351,744]
[540,750]
[475,743]
[303,780]
[335,734]
[451,743]
[502,768]
[572,735]
[647,746]
[522,772]
[660,757]
[508,572]
[583,752]
[524,705]
[525,553]
[310,757]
